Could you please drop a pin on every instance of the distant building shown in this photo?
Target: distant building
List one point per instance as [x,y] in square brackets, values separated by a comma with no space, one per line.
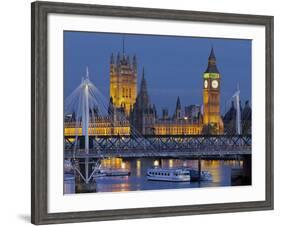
[230,119]
[165,114]
[178,124]
[246,118]
[192,111]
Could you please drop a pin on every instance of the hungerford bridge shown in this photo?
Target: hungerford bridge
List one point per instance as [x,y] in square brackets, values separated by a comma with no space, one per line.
[89,150]
[160,146]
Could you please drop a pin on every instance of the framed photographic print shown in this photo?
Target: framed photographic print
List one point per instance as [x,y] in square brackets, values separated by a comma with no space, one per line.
[140,112]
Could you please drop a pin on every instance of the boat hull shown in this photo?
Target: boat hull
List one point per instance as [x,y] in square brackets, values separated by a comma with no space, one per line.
[168,174]
[116,173]
[168,179]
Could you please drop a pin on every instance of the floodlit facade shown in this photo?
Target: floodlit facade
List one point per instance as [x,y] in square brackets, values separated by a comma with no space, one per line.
[131,112]
[123,82]
[211,97]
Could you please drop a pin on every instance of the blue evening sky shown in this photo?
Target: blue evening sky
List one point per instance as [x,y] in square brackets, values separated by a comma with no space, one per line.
[173,65]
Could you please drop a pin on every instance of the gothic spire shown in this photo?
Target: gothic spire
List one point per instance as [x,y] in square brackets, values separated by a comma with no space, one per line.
[143,88]
[128,60]
[123,46]
[212,54]
[177,114]
[212,66]
[135,60]
[123,57]
[143,98]
[154,110]
[110,106]
[178,105]
[112,59]
[118,58]
[134,63]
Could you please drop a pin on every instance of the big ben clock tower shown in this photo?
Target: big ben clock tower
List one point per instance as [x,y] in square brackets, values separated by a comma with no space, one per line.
[211,97]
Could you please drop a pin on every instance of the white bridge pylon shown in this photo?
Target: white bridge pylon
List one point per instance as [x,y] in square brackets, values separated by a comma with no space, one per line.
[85,121]
[85,104]
[80,102]
[236,97]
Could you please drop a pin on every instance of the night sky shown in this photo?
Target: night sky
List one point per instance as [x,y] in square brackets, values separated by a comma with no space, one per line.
[173,65]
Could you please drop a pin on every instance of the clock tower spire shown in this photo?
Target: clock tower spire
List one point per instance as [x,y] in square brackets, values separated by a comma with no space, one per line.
[211,97]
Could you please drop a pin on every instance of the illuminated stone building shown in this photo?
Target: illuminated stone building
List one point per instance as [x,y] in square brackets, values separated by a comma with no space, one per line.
[129,112]
[211,98]
[181,127]
[98,126]
[114,123]
[123,89]
[178,124]
[144,117]
[192,111]
[123,82]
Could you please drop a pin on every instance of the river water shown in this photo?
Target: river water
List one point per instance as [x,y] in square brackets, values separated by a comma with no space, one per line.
[221,171]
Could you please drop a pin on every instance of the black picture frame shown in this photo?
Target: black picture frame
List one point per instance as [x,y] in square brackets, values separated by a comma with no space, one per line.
[39,106]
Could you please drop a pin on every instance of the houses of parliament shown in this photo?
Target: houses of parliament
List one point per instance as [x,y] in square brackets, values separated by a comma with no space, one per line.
[130,109]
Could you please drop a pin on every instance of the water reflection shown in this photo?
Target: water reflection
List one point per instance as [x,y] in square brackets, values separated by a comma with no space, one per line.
[138,168]
[171,163]
[220,170]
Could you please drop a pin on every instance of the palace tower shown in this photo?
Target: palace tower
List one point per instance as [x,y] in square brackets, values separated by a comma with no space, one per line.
[211,97]
[123,82]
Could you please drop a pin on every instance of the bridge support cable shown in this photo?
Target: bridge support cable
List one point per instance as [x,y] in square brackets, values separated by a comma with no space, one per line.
[85,107]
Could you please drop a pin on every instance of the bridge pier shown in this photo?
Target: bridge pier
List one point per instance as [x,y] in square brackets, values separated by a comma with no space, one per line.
[85,187]
[243,174]
[85,168]
[160,162]
[247,165]
[199,169]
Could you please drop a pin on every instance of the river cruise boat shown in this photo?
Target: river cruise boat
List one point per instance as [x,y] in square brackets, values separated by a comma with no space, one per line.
[115,172]
[109,172]
[169,174]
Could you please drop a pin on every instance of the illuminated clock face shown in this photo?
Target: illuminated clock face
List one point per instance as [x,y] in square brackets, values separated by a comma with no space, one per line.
[215,84]
[205,84]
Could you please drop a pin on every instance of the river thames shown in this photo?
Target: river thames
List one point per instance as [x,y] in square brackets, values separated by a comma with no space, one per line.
[222,171]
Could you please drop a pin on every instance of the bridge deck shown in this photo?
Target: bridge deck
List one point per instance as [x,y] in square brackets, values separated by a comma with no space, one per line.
[172,153]
[159,146]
